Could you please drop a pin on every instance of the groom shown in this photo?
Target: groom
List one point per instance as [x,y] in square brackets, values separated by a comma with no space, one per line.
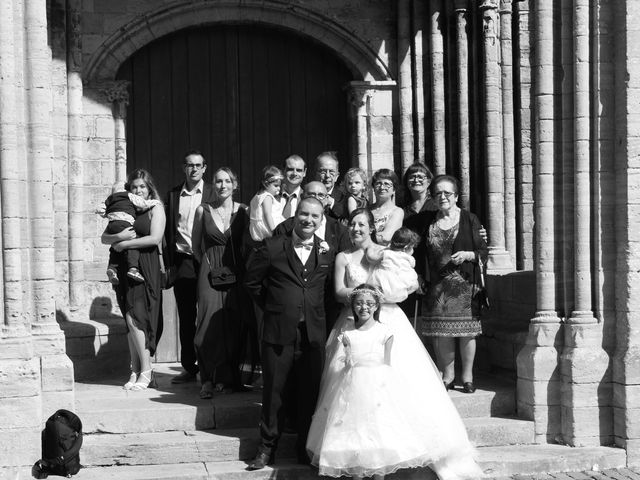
[287,277]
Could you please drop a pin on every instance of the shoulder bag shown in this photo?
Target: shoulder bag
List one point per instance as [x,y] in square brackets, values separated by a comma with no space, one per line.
[222,276]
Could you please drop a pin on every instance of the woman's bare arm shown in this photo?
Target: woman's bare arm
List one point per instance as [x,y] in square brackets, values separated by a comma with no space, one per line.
[394,222]
[342,291]
[156,232]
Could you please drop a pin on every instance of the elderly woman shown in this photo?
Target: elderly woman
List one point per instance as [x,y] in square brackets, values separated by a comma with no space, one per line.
[449,261]
[387,216]
[141,302]
[221,325]
[416,181]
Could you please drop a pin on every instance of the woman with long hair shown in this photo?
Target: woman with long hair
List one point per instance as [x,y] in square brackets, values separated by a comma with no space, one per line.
[141,302]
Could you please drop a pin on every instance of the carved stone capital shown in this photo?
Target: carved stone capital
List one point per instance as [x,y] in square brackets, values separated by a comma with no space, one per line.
[115,92]
[489,9]
[359,92]
[358,96]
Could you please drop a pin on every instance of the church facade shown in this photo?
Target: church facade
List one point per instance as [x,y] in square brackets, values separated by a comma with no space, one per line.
[533,104]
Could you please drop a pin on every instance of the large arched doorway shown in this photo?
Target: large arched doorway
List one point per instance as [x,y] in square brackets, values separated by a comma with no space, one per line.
[245,95]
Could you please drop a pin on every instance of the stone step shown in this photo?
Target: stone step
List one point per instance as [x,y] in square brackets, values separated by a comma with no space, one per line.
[241,444]
[106,407]
[496,462]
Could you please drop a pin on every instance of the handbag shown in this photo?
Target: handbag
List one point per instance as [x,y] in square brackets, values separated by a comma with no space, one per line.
[482,296]
[222,276]
[166,281]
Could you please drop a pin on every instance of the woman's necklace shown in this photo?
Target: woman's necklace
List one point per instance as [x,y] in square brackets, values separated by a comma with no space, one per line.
[224,214]
[446,223]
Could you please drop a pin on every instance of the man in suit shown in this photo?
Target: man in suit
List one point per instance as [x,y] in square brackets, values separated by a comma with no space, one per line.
[295,169]
[328,172]
[181,204]
[330,230]
[287,276]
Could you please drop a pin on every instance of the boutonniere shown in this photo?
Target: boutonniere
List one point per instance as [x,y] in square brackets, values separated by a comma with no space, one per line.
[324,247]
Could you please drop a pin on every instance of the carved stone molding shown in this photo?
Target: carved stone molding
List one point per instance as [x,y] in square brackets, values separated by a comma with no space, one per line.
[115,92]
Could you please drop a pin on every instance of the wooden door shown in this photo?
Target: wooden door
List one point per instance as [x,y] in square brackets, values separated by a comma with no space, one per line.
[245,96]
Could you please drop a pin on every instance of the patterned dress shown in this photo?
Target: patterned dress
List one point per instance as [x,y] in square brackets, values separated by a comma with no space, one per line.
[448,307]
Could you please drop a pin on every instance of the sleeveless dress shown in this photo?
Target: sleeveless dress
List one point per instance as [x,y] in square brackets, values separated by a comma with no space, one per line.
[221,322]
[439,436]
[143,300]
[258,228]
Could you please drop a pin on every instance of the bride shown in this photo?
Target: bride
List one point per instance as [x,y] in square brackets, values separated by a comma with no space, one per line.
[446,448]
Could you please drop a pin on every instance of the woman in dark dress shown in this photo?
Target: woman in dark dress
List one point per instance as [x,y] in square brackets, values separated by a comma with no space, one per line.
[141,302]
[221,325]
[449,260]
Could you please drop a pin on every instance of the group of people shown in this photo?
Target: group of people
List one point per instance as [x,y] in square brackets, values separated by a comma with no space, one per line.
[316,278]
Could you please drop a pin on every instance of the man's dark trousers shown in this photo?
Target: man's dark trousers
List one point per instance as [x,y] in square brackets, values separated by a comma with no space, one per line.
[185,290]
[291,374]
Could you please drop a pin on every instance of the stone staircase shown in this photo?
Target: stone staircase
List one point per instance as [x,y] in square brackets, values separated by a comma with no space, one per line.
[170,433]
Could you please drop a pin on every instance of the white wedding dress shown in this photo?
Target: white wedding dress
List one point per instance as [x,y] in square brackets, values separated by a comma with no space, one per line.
[438,438]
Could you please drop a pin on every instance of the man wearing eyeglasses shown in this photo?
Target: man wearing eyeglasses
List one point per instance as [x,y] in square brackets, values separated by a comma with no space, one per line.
[181,204]
[327,172]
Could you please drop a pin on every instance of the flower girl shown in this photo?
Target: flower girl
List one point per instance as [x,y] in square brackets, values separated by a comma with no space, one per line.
[266,206]
[372,419]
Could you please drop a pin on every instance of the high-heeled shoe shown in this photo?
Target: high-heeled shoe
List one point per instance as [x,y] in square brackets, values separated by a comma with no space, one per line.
[468,387]
[133,378]
[145,380]
[449,386]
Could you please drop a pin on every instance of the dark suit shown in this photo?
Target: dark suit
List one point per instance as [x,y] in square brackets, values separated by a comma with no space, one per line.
[184,274]
[337,236]
[292,297]
[339,209]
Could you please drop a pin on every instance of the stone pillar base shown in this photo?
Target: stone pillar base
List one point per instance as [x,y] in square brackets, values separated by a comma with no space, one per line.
[538,392]
[586,386]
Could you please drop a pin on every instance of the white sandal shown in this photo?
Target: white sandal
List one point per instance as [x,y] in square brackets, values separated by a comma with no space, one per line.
[132,381]
[145,380]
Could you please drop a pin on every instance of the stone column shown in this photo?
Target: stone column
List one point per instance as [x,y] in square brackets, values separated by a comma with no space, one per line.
[372,107]
[56,367]
[584,365]
[405,83]
[626,362]
[20,375]
[462,62]
[436,15]
[499,260]
[117,92]
[524,165]
[359,96]
[418,78]
[508,144]
[75,169]
[538,361]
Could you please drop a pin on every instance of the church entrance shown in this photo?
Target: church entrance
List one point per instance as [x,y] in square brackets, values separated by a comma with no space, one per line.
[246,96]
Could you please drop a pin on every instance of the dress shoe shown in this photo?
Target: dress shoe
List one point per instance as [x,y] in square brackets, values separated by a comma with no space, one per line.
[184,377]
[449,386]
[262,460]
[468,387]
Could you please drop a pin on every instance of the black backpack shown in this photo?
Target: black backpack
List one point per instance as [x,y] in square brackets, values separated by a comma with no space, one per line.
[61,442]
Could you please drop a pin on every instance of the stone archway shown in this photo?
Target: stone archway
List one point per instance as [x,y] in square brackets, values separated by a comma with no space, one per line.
[363,61]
